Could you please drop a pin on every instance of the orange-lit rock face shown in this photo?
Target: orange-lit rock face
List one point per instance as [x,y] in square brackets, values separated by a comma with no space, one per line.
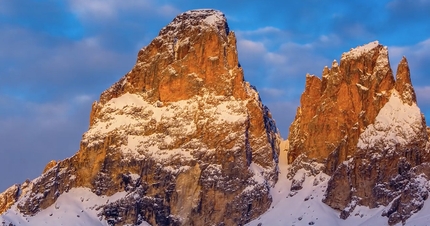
[404,84]
[193,54]
[182,134]
[367,132]
[335,109]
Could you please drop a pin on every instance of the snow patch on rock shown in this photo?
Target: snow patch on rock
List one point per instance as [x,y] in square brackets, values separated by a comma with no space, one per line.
[360,50]
[139,122]
[397,123]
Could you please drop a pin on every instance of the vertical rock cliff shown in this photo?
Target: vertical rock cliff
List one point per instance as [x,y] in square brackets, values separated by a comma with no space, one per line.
[182,136]
[337,107]
[365,130]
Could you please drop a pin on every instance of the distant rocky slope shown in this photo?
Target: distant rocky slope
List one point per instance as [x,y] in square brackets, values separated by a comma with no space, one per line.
[182,134]
[366,130]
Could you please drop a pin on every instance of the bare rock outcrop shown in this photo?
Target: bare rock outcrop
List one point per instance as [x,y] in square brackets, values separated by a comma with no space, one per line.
[333,110]
[182,134]
[367,131]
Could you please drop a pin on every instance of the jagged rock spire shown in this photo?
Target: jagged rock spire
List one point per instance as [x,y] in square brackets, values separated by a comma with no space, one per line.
[367,131]
[404,83]
[347,99]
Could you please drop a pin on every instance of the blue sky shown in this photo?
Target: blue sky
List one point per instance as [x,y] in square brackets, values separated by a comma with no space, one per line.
[56,57]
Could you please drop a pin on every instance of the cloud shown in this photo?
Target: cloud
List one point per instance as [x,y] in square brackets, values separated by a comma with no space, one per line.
[34,68]
[269,30]
[279,73]
[409,9]
[283,112]
[272,92]
[423,99]
[168,11]
[418,56]
[423,96]
[36,133]
[94,9]
[112,9]
[251,47]
[83,99]
[37,16]
[284,67]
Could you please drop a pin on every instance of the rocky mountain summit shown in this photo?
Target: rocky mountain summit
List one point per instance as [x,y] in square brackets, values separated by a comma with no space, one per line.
[182,137]
[364,129]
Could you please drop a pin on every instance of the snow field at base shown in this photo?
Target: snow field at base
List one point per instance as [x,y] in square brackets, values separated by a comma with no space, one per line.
[78,207]
[306,206]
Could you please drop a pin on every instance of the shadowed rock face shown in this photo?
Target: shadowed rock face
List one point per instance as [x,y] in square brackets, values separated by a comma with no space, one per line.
[182,133]
[367,131]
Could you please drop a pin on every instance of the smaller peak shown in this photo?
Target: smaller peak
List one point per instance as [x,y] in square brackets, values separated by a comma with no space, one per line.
[309,75]
[360,50]
[403,82]
[334,64]
[403,60]
[326,72]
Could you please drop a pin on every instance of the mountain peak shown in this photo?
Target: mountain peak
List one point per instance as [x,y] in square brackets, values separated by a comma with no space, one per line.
[182,137]
[404,83]
[193,55]
[361,50]
[202,18]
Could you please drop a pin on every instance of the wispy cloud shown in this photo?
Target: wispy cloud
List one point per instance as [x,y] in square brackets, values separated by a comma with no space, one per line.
[418,56]
[38,132]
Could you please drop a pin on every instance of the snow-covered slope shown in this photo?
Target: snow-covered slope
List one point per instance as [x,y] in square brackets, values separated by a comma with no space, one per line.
[78,207]
[306,206]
